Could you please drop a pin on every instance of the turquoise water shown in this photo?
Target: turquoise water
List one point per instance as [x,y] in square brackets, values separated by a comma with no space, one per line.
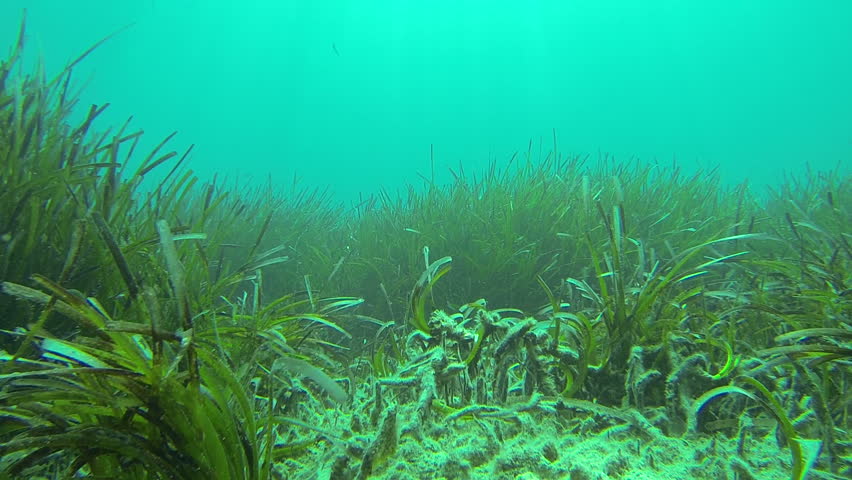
[351,95]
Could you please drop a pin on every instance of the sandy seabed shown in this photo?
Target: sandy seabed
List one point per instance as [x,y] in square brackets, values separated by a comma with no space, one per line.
[532,445]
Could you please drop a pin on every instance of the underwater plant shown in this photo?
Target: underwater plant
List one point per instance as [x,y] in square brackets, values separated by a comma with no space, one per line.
[172,364]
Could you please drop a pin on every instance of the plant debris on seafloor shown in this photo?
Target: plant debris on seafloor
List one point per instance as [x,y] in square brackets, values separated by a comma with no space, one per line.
[632,322]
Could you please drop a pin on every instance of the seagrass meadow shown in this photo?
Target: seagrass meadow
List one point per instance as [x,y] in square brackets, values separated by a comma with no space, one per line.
[555,318]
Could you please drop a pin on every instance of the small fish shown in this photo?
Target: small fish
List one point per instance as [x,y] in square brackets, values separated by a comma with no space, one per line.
[334,47]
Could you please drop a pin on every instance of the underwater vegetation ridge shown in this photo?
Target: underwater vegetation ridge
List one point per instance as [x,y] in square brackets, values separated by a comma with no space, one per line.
[551,319]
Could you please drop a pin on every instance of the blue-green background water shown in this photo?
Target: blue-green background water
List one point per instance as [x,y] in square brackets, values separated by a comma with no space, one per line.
[351,94]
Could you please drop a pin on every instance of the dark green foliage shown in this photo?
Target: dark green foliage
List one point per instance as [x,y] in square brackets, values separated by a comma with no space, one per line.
[147,349]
